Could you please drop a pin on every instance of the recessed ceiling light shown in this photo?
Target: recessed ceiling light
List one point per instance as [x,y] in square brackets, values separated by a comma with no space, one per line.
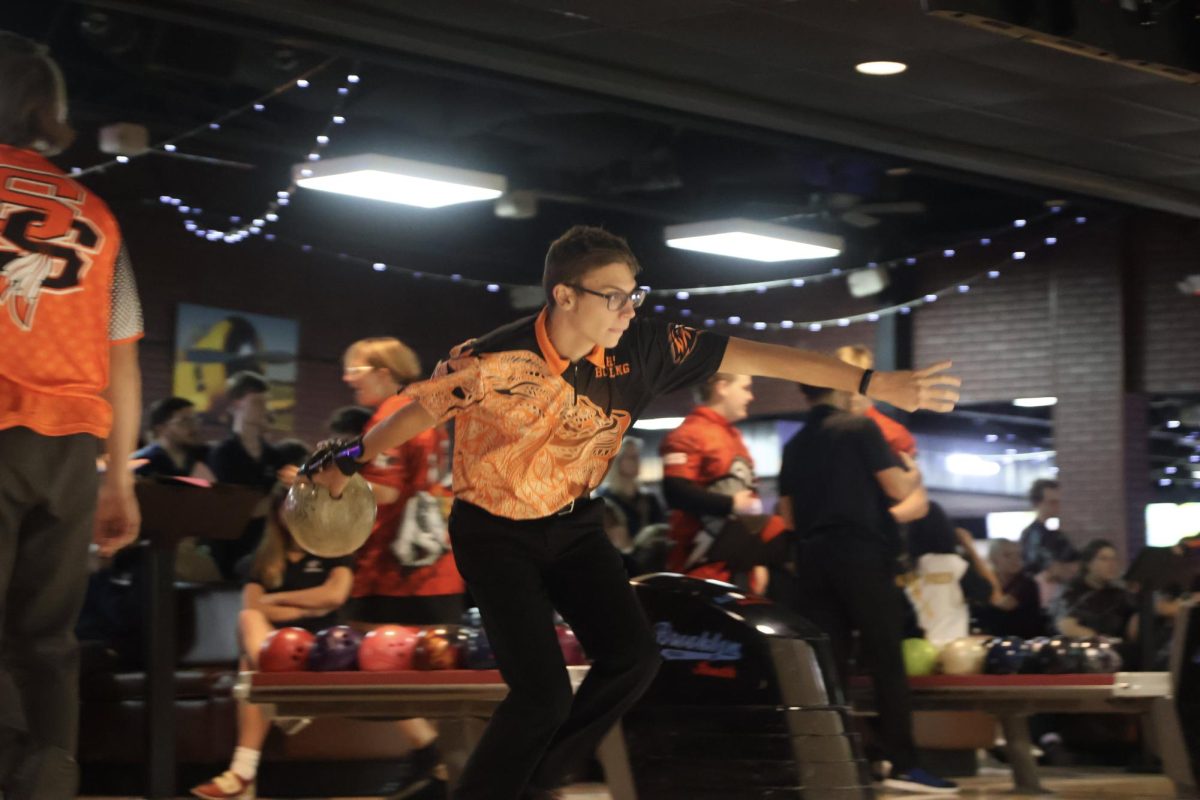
[881,67]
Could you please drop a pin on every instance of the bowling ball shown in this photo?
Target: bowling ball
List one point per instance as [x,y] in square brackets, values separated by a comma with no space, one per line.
[440,647]
[1100,655]
[477,654]
[285,650]
[920,657]
[471,618]
[335,650]
[387,648]
[571,649]
[1058,655]
[1006,655]
[964,656]
[1031,664]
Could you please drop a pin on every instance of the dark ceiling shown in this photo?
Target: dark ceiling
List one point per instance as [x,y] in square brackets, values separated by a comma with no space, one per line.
[638,115]
[980,93]
[586,156]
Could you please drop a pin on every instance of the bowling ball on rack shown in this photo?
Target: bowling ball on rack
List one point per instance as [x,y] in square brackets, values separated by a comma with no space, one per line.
[478,654]
[1058,655]
[964,656]
[440,647]
[920,657]
[388,648]
[285,650]
[1100,655]
[1006,655]
[335,650]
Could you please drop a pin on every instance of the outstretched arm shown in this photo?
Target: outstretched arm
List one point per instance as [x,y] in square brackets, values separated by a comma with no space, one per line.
[392,432]
[927,388]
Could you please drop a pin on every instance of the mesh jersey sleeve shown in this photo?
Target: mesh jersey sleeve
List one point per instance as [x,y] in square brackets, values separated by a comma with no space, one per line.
[125,311]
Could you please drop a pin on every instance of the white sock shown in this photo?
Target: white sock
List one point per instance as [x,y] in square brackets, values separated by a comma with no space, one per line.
[245,763]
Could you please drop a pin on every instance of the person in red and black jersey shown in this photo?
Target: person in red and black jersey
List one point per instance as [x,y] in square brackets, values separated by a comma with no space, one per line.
[540,407]
[416,583]
[69,324]
[717,525]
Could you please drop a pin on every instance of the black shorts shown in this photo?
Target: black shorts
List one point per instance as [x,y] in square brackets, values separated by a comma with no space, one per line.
[435,609]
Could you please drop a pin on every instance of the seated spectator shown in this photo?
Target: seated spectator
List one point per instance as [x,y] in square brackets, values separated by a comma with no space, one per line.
[1060,570]
[1018,611]
[287,588]
[623,487]
[1096,602]
[175,448]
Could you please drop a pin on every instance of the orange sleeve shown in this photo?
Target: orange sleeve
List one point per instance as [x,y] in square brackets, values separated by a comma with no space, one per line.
[682,454]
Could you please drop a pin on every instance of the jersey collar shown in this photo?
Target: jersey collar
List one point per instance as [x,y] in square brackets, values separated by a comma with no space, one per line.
[558,365]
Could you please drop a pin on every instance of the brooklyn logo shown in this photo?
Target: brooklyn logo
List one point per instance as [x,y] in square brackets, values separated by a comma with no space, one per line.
[675,646]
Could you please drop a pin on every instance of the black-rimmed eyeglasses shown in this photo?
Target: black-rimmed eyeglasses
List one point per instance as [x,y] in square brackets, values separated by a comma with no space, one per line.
[617,300]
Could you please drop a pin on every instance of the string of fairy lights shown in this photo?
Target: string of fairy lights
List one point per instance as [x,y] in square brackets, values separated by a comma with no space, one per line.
[1002,247]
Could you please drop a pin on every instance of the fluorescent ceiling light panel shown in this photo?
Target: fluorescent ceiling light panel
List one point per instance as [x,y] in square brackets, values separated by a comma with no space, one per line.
[881,67]
[658,424]
[1035,402]
[399,180]
[757,241]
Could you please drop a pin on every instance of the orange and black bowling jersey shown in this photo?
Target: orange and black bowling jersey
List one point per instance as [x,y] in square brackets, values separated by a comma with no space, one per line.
[709,451]
[61,302]
[534,431]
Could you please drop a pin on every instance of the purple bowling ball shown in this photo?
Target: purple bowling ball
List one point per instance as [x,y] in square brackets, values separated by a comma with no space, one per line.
[335,650]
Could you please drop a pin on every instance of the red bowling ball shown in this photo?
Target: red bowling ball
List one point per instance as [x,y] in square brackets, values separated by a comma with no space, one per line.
[387,648]
[572,650]
[285,650]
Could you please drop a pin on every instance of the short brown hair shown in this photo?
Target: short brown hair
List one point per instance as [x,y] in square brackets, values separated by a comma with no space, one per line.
[385,352]
[580,250]
[32,97]
[245,382]
[1037,492]
[703,392]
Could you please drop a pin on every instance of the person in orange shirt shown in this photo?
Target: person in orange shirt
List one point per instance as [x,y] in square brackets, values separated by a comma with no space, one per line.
[540,407]
[69,323]
[405,573]
[717,523]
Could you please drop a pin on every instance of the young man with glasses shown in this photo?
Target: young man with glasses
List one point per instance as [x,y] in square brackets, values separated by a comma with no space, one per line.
[540,408]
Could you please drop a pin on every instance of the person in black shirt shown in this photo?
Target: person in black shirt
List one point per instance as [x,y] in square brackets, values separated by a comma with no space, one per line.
[840,479]
[1040,544]
[287,587]
[247,459]
[175,449]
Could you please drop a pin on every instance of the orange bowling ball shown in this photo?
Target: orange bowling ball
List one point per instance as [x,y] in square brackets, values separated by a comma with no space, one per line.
[439,647]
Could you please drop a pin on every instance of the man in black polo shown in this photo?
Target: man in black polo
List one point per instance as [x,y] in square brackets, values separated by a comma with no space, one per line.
[839,479]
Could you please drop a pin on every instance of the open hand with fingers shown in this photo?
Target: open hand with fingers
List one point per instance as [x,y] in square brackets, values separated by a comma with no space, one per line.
[931,388]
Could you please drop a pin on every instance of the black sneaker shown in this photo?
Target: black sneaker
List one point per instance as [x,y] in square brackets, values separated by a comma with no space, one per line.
[918,781]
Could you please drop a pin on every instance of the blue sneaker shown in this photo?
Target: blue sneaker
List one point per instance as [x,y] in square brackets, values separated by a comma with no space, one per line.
[919,781]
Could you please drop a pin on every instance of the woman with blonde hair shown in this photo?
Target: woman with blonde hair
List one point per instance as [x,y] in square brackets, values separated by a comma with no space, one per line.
[287,587]
[405,573]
